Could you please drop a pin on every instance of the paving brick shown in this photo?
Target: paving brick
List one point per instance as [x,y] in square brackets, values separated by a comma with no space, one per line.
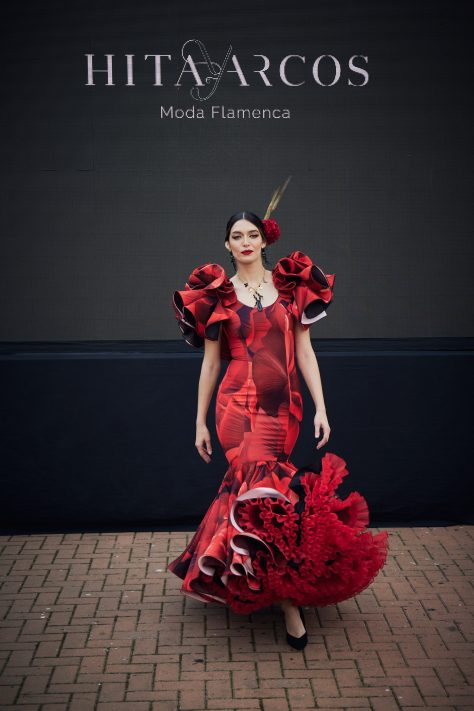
[235,704]
[300,697]
[276,705]
[91,625]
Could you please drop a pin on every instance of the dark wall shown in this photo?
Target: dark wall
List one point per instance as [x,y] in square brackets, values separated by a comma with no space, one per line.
[106,207]
[101,437]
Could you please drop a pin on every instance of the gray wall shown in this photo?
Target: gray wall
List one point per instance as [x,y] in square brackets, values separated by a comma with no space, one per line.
[106,207]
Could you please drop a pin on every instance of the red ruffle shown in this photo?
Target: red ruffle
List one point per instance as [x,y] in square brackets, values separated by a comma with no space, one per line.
[203,305]
[305,284]
[284,533]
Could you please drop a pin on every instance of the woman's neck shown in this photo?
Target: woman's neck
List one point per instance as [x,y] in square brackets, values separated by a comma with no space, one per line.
[252,274]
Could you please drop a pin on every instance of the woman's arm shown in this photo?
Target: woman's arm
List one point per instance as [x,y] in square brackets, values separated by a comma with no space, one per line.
[308,364]
[210,369]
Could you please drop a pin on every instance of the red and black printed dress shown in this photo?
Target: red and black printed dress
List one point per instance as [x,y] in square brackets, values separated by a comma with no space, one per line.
[273,531]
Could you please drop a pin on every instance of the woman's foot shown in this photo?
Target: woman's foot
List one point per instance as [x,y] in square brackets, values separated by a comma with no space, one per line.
[294,623]
[296,632]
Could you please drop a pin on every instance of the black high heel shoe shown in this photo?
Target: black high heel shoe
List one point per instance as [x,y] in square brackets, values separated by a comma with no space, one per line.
[298,642]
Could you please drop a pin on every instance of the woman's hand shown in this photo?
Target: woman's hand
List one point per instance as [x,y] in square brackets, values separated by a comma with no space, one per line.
[203,442]
[321,423]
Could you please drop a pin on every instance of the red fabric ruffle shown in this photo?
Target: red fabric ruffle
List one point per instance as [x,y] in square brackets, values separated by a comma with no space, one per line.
[275,532]
[203,305]
[305,285]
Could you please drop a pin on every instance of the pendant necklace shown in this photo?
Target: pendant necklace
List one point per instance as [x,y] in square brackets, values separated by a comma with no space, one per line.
[256,295]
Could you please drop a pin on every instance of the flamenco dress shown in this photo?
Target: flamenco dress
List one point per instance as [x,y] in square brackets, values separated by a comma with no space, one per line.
[273,531]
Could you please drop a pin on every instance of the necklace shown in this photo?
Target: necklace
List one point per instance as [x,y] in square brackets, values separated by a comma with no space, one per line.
[256,294]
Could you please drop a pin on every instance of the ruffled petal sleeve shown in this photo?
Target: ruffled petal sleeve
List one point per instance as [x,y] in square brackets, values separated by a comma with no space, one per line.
[308,289]
[203,305]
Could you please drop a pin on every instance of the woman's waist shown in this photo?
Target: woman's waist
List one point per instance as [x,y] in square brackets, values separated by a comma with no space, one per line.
[268,368]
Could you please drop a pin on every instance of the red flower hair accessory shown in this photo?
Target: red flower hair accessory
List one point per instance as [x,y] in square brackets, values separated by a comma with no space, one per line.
[272,230]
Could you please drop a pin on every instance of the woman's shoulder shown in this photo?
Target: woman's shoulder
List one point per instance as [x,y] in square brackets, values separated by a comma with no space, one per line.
[309,288]
[204,304]
[207,282]
[297,269]
[208,274]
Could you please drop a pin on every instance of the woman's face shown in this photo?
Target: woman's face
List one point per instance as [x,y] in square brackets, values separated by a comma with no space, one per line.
[245,242]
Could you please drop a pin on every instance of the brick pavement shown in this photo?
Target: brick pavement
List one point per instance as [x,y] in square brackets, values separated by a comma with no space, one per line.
[94,621]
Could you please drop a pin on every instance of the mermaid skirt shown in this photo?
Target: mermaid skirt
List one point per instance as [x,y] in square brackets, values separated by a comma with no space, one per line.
[274,531]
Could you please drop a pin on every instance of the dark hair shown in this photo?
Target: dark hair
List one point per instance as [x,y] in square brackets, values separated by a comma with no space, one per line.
[251,217]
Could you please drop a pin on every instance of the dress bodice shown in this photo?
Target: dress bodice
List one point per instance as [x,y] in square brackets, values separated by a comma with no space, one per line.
[248,330]
[208,306]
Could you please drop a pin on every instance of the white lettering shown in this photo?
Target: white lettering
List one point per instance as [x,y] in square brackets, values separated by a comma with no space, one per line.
[189,60]
[158,66]
[358,70]
[266,65]
[129,70]
[316,70]
[283,67]
[90,70]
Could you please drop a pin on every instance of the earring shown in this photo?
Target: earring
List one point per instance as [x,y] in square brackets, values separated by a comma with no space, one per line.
[232,259]
[264,256]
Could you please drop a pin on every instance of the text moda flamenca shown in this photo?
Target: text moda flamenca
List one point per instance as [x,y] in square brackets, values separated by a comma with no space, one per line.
[223,112]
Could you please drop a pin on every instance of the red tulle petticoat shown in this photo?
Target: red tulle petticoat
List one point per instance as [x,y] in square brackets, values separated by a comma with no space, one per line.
[274,532]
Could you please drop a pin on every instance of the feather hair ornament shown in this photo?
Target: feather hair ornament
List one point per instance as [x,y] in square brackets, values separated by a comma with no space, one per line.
[272,229]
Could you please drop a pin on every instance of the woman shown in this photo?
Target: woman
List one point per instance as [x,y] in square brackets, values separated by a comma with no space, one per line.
[273,533]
